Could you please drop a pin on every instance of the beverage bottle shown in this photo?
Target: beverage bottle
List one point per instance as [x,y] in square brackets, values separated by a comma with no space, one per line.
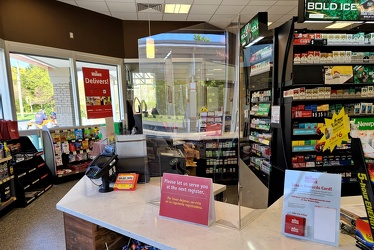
[6,150]
[1,151]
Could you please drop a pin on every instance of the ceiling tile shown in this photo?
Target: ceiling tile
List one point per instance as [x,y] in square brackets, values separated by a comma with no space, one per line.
[284,18]
[228,9]
[150,1]
[150,16]
[223,18]
[235,2]
[125,15]
[120,1]
[292,3]
[122,7]
[203,9]
[72,2]
[94,6]
[274,18]
[254,9]
[280,9]
[207,2]
[175,17]
[246,18]
[105,13]
[192,17]
[88,1]
[258,3]
[293,11]
[179,1]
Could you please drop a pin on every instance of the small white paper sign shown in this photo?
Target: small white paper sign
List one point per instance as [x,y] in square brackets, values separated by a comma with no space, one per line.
[311,206]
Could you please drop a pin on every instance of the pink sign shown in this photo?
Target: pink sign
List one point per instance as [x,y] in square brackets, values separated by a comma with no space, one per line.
[187,198]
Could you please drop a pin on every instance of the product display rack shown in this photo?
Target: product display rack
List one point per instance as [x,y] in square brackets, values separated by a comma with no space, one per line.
[319,77]
[69,150]
[218,159]
[7,188]
[211,122]
[31,174]
[221,158]
[258,117]
[302,141]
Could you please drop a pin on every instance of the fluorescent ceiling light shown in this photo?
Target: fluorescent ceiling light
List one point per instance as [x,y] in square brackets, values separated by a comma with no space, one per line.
[369,22]
[309,21]
[269,23]
[339,25]
[255,41]
[177,8]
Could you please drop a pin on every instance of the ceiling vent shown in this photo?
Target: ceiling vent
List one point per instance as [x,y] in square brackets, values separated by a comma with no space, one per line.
[151,8]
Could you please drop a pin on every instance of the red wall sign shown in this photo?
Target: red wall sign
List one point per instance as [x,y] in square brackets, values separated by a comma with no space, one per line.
[187,198]
[97,90]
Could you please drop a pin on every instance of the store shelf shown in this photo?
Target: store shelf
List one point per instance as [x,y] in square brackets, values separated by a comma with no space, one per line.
[260,127]
[302,151]
[260,140]
[259,72]
[7,179]
[8,202]
[31,174]
[5,159]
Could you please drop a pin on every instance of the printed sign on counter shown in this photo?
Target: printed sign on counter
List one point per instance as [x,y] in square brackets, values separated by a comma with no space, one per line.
[187,198]
[311,206]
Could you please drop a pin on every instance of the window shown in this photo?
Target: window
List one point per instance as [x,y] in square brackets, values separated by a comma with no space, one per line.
[42,91]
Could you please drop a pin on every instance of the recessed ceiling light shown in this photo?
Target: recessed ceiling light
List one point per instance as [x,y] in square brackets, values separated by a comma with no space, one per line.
[177,8]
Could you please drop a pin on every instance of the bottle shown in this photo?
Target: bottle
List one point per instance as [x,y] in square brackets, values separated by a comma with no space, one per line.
[1,151]
[6,150]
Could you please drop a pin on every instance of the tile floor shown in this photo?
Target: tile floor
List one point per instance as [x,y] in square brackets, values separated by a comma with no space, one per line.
[38,226]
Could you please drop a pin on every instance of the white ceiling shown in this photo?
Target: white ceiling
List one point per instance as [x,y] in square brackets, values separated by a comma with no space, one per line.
[220,13]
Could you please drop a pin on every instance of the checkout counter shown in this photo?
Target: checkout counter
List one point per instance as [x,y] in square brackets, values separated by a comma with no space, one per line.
[128,214]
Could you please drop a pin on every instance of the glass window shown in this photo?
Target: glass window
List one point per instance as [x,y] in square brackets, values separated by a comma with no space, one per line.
[42,91]
[4,94]
[91,103]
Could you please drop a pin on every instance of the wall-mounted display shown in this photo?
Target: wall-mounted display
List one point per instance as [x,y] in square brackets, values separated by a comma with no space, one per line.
[336,10]
[255,29]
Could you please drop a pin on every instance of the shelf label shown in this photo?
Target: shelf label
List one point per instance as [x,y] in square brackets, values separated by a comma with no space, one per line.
[303,148]
[187,198]
[304,132]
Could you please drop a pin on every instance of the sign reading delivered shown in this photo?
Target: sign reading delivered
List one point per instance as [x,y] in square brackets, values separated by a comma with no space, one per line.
[97,90]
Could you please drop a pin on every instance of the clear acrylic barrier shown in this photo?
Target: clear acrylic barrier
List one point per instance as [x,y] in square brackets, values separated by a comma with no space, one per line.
[191,96]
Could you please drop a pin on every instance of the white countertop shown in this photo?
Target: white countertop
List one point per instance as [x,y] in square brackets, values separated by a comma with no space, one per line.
[194,136]
[128,213]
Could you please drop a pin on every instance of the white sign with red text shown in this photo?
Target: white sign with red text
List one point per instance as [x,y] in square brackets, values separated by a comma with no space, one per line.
[311,206]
